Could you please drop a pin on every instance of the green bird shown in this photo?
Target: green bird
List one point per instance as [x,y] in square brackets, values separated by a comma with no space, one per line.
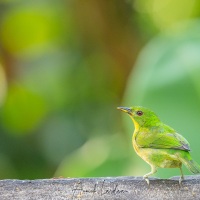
[158,144]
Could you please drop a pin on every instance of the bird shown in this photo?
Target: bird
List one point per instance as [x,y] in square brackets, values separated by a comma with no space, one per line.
[158,144]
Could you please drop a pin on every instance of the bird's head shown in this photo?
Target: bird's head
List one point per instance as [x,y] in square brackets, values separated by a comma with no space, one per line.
[141,116]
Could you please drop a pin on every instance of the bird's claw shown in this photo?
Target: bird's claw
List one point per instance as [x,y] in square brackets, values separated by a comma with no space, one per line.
[180,180]
[146,179]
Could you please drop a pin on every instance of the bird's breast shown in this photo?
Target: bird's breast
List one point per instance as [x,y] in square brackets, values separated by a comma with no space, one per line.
[135,146]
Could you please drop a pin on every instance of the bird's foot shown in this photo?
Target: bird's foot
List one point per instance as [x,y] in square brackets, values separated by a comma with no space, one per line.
[180,180]
[146,179]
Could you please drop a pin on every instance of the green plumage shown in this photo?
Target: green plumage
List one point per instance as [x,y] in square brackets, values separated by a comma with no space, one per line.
[158,144]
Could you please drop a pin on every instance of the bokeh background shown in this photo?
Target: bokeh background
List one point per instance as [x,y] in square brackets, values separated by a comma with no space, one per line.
[66,65]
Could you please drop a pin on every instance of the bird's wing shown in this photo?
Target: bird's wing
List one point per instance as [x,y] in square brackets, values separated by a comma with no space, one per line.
[162,141]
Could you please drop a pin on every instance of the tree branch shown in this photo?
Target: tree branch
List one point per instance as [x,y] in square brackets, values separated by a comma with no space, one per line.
[117,188]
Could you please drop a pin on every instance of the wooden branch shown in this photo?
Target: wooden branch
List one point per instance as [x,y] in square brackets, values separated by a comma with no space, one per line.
[115,188]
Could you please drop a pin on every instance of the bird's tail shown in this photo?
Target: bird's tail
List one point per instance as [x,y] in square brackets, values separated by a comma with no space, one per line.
[191,165]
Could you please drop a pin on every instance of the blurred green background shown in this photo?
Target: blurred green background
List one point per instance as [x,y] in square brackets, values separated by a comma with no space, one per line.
[66,65]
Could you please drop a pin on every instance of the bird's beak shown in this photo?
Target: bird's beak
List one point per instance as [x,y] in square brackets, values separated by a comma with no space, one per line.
[125,109]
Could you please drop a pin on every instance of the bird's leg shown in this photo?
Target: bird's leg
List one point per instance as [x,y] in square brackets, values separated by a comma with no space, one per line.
[182,176]
[146,176]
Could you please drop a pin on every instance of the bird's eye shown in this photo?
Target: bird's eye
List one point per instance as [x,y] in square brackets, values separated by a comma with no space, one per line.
[139,113]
